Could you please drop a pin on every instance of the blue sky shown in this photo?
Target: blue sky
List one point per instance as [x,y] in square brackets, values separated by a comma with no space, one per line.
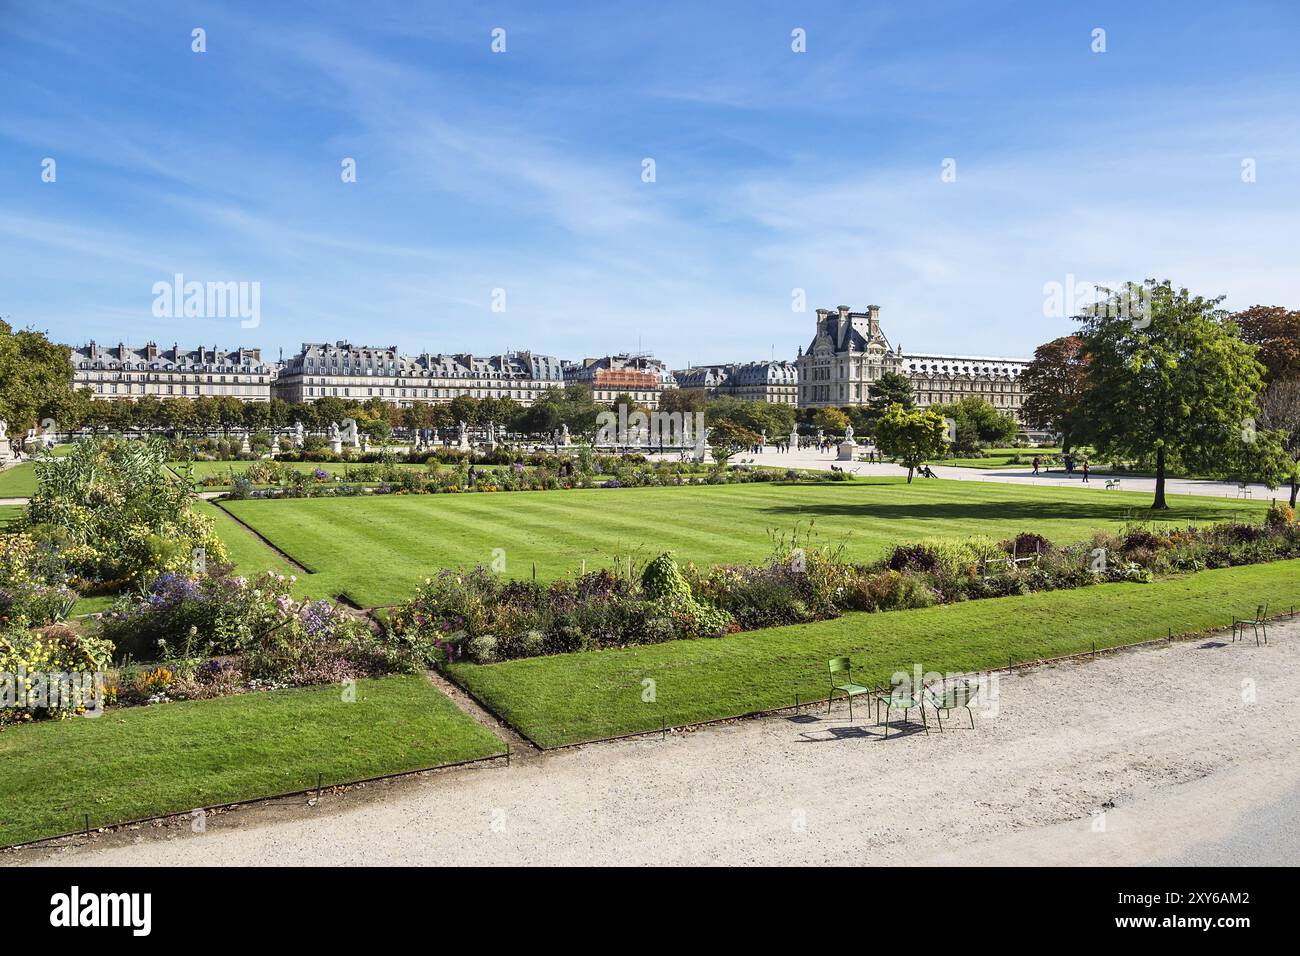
[522,170]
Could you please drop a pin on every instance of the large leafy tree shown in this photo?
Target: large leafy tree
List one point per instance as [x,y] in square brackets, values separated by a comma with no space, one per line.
[1174,378]
[1054,383]
[1276,331]
[1279,412]
[682,400]
[979,423]
[892,388]
[754,416]
[830,420]
[912,435]
[35,378]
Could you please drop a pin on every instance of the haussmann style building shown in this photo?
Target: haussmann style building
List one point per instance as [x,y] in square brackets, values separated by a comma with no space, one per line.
[775,381]
[122,371]
[642,377]
[360,373]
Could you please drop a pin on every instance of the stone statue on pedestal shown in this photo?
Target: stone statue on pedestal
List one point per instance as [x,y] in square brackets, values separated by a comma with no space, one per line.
[462,439]
[848,446]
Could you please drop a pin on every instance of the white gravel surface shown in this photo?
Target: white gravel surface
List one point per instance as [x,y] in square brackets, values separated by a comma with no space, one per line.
[1180,753]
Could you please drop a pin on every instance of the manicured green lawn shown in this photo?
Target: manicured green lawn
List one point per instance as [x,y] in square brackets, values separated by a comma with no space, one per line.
[18,481]
[1000,458]
[570,698]
[9,514]
[376,549]
[168,758]
[249,553]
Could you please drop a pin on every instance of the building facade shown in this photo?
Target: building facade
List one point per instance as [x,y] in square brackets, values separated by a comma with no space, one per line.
[642,377]
[849,352]
[942,379]
[122,371]
[776,382]
[360,373]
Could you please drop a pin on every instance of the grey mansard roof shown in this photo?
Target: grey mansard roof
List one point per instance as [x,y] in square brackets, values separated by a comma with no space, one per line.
[343,358]
[735,374]
[149,357]
[932,363]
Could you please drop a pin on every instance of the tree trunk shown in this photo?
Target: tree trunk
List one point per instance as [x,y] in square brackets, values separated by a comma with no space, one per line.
[1295,486]
[1065,443]
[909,474]
[1159,503]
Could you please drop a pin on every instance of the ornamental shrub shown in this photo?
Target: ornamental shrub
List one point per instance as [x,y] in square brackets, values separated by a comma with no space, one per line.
[119,513]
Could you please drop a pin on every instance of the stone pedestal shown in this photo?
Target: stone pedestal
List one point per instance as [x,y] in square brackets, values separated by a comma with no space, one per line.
[336,446]
[847,450]
[5,451]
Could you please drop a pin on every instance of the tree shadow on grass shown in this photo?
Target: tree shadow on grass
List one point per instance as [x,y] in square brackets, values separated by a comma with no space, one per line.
[976,510]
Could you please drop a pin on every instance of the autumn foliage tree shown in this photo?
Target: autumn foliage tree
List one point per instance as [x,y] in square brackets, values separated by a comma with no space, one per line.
[1277,333]
[1054,383]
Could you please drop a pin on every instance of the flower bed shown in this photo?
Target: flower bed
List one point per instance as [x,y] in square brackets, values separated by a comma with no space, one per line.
[484,618]
[191,637]
[554,475]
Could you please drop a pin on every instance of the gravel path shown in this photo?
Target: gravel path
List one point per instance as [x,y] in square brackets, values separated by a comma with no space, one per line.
[1179,753]
[814,460]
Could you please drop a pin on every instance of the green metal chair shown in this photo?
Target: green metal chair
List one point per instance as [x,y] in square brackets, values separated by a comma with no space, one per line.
[946,698]
[900,697]
[1257,623]
[841,666]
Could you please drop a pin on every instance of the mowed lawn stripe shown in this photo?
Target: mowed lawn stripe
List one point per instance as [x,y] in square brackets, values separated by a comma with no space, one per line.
[569,698]
[378,548]
[610,529]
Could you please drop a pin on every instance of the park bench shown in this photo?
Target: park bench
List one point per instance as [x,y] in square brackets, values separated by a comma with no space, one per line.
[1243,490]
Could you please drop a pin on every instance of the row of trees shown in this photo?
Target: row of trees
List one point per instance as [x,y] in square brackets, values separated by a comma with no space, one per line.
[1178,384]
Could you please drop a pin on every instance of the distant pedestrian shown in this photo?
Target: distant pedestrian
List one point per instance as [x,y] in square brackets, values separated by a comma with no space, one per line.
[1037,462]
[1085,471]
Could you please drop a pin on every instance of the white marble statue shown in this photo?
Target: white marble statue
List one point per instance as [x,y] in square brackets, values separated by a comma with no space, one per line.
[4,429]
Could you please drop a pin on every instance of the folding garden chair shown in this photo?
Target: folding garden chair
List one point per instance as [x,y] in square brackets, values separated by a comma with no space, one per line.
[900,697]
[841,666]
[1257,623]
[947,698]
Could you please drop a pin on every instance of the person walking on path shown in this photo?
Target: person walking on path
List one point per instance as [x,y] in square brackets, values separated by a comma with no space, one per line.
[1085,471]
[1037,462]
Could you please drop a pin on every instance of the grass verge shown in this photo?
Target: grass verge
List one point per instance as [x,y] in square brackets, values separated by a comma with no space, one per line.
[376,550]
[18,481]
[169,758]
[571,698]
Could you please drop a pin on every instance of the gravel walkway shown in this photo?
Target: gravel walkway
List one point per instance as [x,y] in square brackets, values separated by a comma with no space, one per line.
[1182,753]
